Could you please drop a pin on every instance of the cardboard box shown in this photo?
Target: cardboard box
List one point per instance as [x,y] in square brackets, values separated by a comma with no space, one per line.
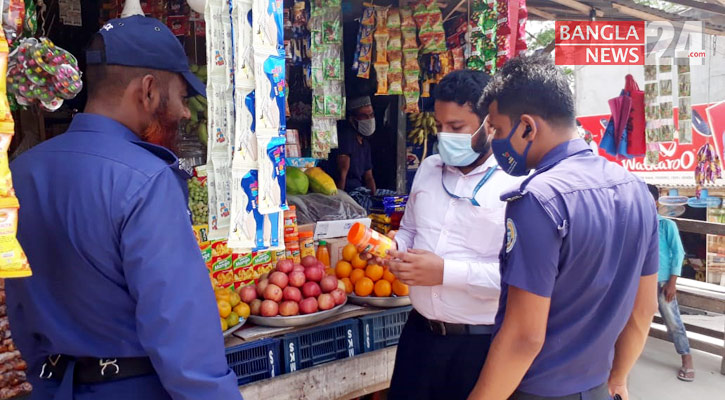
[337,229]
[335,247]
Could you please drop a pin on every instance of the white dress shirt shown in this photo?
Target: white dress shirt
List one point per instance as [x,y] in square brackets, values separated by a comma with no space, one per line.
[467,237]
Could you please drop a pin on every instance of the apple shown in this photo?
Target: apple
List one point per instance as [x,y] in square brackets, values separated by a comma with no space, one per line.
[297,279]
[308,305]
[273,292]
[341,286]
[298,267]
[309,261]
[289,308]
[261,286]
[255,307]
[321,266]
[248,294]
[339,296]
[270,308]
[285,266]
[325,301]
[328,284]
[292,294]
[311,289]
[314,274]
[279,278]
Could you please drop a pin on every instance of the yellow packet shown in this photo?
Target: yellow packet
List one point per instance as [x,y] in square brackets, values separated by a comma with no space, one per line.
[13,262]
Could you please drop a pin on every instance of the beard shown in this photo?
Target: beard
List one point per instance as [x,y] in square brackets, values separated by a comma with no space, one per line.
[481,144]
[163,129]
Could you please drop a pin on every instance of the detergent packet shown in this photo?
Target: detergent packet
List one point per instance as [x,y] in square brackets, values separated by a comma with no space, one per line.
[272,179]
[219,52]
[247,223]
[270,92]
[219,184]
[245,143]
[243,53]
[268,26]
[13,262]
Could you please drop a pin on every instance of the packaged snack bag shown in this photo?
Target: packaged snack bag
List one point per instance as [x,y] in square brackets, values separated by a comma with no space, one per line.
[13,262]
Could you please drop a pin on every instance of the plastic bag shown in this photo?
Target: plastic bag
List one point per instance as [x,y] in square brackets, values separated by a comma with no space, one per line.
[315,207]
[13,17]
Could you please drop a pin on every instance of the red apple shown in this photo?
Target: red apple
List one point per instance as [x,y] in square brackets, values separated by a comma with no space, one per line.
[269,308]
[309,261]
[255,307]
[248,294]
[314,274]
[261,286]
[285,266]
[339,296]
[298,267]
[311,289]
[279,278]
[273,292]
[297,279]
[289,308]
[321,266]
[326,301]
[292,294]
[308,305]
[328,284]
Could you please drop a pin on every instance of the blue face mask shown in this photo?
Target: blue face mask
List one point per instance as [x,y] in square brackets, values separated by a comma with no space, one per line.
[455,149]
[508,159]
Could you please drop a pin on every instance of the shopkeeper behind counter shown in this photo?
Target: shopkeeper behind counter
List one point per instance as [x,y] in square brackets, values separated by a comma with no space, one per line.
[351,164]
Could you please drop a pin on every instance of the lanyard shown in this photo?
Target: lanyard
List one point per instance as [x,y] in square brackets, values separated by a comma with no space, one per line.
[480,184]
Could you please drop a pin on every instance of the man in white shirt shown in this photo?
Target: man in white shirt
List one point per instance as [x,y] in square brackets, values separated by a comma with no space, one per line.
[447,251]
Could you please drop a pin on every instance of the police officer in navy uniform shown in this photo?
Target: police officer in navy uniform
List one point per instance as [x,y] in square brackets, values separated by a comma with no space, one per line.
[119,305]
[579,264]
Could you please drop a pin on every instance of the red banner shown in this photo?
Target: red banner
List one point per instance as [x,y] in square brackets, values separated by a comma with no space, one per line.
[677,161]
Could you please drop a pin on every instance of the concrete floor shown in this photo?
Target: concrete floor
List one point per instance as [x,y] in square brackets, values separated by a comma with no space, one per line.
[654,377]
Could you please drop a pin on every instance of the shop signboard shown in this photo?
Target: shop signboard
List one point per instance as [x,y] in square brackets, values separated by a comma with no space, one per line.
[677,160]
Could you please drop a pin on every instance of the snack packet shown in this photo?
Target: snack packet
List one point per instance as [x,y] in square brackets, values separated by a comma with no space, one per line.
[381,47]
[381,70]
[395,81]
[14,263]
[411,102]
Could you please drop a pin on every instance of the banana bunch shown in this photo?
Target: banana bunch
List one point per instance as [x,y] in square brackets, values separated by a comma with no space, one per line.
[199,109]
[423,124]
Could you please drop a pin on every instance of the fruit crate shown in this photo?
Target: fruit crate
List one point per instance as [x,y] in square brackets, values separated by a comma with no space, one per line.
[383,329]
[254,361]
[319,345]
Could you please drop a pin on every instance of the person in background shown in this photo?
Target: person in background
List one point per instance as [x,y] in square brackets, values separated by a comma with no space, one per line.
[672,254]
[447,251]
[576,304]
[119,305]
[353,169]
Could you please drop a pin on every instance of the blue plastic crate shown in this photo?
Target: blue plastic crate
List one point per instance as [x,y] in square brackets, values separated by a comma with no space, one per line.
[383,329]
[319,345]
[254,361]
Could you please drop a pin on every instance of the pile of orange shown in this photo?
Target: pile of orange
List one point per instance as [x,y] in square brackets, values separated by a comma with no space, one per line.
[366,279]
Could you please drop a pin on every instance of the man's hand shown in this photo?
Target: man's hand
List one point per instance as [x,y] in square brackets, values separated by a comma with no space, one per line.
[416,267]
[618,388]
[670,291]
[378,260]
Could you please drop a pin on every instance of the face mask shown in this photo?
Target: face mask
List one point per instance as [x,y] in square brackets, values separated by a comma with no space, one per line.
[455,149]
[508,159]
[366,127]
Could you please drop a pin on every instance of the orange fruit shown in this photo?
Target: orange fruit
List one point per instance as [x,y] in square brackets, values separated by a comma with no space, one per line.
[225,325]
[343,269]
[374,272]
[383,288]
[388,276]
[349,252]
[348,285]
[329,271]
[400,288]
[243,310]
[224,308]
[223,294]
[358,262]
[356,274]
[364,286]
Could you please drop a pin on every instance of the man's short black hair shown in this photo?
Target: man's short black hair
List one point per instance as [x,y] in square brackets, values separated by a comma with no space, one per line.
[531,85]
[102,80]
[463,87]
[655,192]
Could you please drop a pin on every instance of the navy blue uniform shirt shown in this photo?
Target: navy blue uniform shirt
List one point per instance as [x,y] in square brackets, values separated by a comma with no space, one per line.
[117,271]
[581,231]
[360,157]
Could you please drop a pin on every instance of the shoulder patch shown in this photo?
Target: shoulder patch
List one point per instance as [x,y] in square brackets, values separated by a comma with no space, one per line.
[512,196]
[510,235]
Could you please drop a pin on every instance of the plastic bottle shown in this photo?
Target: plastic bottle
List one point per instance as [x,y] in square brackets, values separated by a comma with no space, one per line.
[307,244]
[323,254]
[367,240]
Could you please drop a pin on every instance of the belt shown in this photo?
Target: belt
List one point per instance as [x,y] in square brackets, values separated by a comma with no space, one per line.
[89,370]
[447,328]
[600,392]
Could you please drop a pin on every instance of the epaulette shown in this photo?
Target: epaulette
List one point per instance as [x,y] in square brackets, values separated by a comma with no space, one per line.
[513,195]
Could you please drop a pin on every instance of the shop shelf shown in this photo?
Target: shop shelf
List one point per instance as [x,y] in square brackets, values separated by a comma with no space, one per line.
[319,345]
[382,329]
[254,361]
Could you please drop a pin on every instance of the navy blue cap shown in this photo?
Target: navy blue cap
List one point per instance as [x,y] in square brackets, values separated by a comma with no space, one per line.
[143,42]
